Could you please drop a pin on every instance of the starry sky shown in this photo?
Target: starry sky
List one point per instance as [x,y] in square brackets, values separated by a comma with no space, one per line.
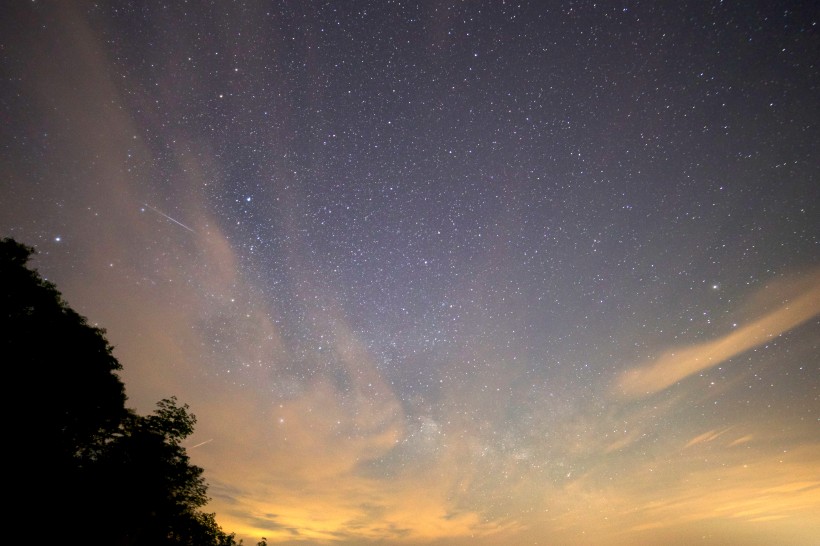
[479,273]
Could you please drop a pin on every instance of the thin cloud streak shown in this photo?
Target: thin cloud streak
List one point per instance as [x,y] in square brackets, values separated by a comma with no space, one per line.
[679,364]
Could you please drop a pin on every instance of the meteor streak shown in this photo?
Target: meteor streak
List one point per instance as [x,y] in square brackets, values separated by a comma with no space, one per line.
[168,217]
[201,443]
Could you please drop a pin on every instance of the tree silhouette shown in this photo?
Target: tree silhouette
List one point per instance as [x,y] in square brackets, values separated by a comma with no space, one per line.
[152,492]
[52,349]
[88,467]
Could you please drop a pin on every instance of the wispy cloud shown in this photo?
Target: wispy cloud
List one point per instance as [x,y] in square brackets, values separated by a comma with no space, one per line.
[705,437]
[677,364]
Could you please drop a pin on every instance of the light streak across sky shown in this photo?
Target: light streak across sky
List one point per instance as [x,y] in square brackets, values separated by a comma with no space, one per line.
[174,220]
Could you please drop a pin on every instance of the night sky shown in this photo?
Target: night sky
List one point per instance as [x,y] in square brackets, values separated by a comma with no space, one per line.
[460,273]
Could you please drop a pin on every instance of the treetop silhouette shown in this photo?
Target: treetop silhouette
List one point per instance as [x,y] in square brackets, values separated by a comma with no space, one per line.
[90,469]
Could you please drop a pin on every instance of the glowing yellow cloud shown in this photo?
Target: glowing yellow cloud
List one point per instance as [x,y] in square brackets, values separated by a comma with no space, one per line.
[680,363]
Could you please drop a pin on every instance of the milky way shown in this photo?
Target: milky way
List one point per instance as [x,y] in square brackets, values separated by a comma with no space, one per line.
[444,273]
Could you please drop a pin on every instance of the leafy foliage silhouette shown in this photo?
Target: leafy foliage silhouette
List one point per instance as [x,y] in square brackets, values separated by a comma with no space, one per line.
[92,468]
